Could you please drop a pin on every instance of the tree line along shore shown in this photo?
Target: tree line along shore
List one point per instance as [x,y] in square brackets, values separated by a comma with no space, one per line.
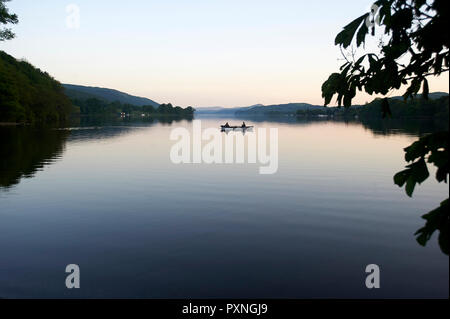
[30,95]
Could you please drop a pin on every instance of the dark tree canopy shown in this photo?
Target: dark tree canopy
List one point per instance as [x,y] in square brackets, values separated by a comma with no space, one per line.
[6,18]
[414,45]
[28,94]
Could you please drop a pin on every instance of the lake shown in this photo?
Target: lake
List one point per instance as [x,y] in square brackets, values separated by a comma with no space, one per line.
[107,197]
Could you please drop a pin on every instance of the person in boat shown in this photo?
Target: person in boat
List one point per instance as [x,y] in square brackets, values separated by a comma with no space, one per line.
[226,125]
[243,124]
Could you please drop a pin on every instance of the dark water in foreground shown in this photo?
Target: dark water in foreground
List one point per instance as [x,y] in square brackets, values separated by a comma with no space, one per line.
[108,198]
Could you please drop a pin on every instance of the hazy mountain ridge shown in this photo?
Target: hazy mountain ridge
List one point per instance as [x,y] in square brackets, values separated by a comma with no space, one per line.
[432,96]
[287,108]
[108,95]
[258,109]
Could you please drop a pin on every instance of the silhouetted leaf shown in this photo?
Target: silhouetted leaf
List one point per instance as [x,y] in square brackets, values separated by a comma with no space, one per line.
[413,88]
[401,177]
[420,171]
[331,86]
[410,185]
[345,37]
[415,150]
[437,219]
[416,173]
[443,240]
[361,35]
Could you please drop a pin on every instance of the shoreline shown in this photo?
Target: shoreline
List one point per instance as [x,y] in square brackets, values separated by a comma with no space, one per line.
[11,124]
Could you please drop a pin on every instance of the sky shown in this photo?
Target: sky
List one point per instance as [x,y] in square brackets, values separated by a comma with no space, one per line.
[200,53]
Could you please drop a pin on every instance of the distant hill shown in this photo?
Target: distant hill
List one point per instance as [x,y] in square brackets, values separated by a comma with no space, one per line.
[80,92]
[28,94]
[108,102]
[257,109]
[299,108]
[277,109]
[431,96]
[437,106]
[217,110]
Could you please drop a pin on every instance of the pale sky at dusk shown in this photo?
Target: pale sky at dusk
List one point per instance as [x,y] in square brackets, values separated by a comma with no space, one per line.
[199,53]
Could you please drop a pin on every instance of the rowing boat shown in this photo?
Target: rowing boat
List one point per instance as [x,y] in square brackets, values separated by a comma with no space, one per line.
[235,127]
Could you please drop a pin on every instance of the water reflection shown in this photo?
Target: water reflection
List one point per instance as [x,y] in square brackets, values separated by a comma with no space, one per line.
[377,126]
[100,128]
[120,209]
[408,127]
[237,129]
[89,121]
[24,150]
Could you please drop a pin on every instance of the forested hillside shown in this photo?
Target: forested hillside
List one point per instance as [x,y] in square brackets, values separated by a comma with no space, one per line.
[29,95]
[398,108]
[416,108]
[102,101]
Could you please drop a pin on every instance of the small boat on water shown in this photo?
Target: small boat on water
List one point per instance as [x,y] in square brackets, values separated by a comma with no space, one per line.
[236,127]
[229,127]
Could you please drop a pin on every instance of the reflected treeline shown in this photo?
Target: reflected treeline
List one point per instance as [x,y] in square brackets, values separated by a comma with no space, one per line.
[410,126]
[377,126]
[90,121]
[100,127]
[286,119]
[25,150]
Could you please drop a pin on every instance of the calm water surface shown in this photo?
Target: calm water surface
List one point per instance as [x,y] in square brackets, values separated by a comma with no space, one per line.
[108,198]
